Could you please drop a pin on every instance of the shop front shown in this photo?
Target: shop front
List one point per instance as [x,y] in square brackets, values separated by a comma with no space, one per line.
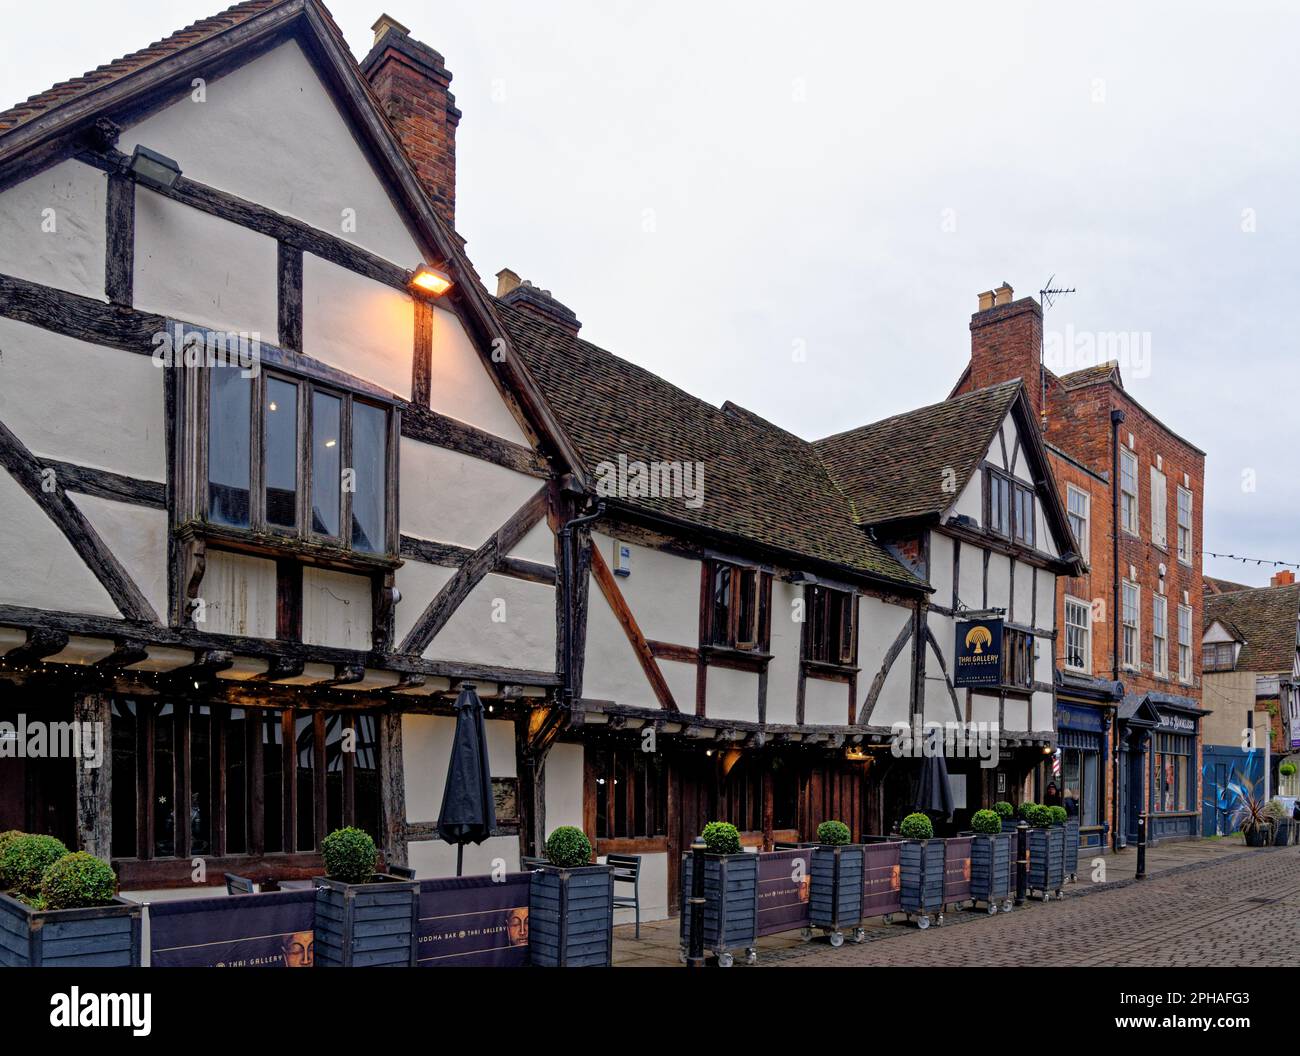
[1085,714]
[1157,767]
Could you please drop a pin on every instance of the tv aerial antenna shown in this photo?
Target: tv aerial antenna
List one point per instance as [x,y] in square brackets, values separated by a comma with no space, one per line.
[1047,297]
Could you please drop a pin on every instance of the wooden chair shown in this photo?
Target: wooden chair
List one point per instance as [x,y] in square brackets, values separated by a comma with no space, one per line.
[527,864]
[239,885]
[402,872]
[627,870]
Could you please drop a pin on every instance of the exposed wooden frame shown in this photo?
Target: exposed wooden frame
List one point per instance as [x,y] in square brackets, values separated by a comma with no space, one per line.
[419,422]
[87,480]
[289,296]
[119,256]
[640,647]
[452,555]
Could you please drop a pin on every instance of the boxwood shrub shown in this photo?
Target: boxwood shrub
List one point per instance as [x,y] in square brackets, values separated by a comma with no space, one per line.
[1286,770]
[917,827]
[78,880]
[1058,814]
[26,859]
[721,837]
[986,822]
[1003,809]
[7,837]
[1037,816]
[833,833]
[349,856]
[1026,808]
[568,847]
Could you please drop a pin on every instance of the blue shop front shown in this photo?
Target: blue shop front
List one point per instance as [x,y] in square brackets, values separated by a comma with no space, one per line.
[1158,766]
[1085,722]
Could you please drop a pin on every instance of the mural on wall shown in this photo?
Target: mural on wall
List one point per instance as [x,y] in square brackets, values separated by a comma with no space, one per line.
[1229,776]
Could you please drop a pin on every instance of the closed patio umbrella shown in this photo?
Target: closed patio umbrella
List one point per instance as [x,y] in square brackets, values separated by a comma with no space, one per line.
[934,794]
[468,812]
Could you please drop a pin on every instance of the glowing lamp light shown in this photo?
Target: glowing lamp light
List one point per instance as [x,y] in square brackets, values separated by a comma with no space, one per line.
[154,169]
[430,280]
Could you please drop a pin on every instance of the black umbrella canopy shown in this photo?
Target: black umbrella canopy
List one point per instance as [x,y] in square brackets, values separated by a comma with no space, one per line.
[468,812]
[934,794]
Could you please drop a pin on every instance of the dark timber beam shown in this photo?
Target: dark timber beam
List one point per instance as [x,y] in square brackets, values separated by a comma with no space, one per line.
[644,654]
[102,484]
[119,256]
[421,423]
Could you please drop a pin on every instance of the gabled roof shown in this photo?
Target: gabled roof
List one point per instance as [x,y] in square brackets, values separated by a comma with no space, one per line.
[1222,586]
[761,483]
[1266,619]
[904,467]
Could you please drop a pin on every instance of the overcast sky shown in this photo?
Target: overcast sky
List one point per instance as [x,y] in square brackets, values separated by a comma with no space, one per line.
[793,206]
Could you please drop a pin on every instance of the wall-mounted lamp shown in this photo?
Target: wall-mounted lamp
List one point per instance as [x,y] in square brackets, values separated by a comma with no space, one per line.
[430,280]
[153,169]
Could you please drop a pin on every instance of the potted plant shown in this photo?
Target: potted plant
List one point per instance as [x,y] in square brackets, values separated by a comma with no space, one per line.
[835,889]
[1252,818]
[364,919]
[1061,817]
[571,905]
[1282,824]
[990,860]
[921,861]
[1287,769]
[1006,815]
[1046,851]
[63,911]
[730,893]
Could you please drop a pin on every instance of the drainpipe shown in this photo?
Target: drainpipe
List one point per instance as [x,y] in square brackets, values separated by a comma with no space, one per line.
[1117,618]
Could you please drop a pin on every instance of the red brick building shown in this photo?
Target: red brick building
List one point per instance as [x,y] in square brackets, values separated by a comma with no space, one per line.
[1128,645]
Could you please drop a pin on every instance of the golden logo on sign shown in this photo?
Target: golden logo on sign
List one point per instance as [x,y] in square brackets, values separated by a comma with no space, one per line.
[979,637]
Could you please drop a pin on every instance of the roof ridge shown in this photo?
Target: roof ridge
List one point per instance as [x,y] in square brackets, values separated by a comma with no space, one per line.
[1015,383]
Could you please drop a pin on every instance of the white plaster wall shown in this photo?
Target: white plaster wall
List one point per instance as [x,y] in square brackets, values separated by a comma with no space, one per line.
[461,386]
[731,694]
[825,703]
[76,402]
[269,132]
[563,772]
[1045,617]
[204,270]
[1016,713]
[879,623]
[681,682]
[611,670]
[999,581]
[970,587]
[783,669]
[1024,587]
[358,325]
[426,752]
[71,256]
[449,497]
[895,701]
[538,544]
[1044,712]
[1043,539]
[663,590]
[1021,460]
[137,537]
[38,566]
[1007,444]
[941,548]
[983,708]
[239,595]
[434,858]
[971,500]
[653,890]
[336,609]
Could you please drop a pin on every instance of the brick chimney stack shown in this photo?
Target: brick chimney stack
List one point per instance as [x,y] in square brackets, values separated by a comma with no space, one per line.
[1282,579]
[412,82]
[1006,342]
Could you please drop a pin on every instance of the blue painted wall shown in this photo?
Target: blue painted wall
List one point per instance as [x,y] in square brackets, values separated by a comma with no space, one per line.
[1228,774]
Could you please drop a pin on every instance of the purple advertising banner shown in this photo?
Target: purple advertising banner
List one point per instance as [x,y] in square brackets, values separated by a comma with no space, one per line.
[473,921]
[272,930]
[956,869]
[881,879]
[783,882]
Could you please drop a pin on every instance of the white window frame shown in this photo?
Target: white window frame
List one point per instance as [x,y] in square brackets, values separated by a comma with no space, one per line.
[1084,628]
[1128,500]
[1159,508]
[1185,551]
[1132,632]
[1159,641]
[1086,516]
[1185,644]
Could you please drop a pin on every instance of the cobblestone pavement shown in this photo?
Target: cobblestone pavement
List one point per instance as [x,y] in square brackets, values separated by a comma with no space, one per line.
[1203,903]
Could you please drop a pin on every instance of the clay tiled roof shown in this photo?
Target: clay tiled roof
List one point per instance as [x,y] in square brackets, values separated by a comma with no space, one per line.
[760,483]
[916,464]
[67,90]
[1266,619]
[1222,586]
[1091,375]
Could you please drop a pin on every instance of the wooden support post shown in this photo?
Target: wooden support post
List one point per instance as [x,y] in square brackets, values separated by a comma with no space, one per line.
[91,712]
[392,789]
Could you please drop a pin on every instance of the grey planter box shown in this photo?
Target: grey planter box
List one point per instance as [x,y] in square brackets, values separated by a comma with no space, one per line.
[1284,832]
[1010,824]
[1047,860]
[730,907]
[921,877]
[98,937]
[990,868]
[835,890]
[571,916]
[1070,865]
[366,925]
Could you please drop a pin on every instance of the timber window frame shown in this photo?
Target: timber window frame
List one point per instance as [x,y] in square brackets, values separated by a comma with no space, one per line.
[1160,635]
[1219,656]
[1159,509]
[1079,514]
[1128,491]
[1184,526]
[1078,635]
[1131,620]
[832,619]
[1185,644]
[1009,507]
[1018,656]
[737,608]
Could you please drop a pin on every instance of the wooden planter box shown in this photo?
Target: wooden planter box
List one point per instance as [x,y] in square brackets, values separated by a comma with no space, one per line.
[730,907]
[921,864]
[1010,824]
[1070,866]
[1047,860]
[1284,832]
[571,916]
[835,890]
[98,937]
[366,925]
[991,869]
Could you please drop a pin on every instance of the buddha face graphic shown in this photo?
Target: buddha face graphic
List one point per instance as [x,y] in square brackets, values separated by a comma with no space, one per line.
[805,887]
[517,926]
[299,949]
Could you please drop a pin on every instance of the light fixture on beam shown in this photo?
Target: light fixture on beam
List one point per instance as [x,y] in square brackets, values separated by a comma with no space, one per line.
[153,169]
[431,281]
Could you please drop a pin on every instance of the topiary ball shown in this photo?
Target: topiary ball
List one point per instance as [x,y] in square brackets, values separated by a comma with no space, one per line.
[78,880]
[1058,814]
[349,856]
[568,847]
[1004,809]
[986,822]
[7,837]
[1038,817]
[1026,807]
[1286,770]
[833,833]
[721,837]
[26,858]
[917,827]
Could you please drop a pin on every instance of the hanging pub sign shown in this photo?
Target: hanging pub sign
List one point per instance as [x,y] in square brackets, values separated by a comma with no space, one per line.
[979,653]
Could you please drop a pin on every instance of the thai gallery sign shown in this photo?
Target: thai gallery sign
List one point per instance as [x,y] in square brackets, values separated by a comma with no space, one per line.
[784,879]
[473,921]
[272,930]
[978,653]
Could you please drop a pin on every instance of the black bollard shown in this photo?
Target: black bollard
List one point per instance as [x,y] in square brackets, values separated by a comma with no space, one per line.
[1022,862]
[695,959]
[1142,848]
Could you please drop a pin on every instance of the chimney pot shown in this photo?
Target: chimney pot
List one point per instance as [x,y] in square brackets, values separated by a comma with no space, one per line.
[1003,294]
[507,280]
[384,24]
[986,300]
[1282,579]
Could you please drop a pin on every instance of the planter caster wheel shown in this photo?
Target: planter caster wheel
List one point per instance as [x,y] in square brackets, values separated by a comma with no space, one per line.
[889,918]
[806,934]
[993,908]
[1008,906]
[923,922]
[938,921]
[1046,896]
[837,939]
[725,960]
[859,934]
[681,956]
[1059,894]
[751,956]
